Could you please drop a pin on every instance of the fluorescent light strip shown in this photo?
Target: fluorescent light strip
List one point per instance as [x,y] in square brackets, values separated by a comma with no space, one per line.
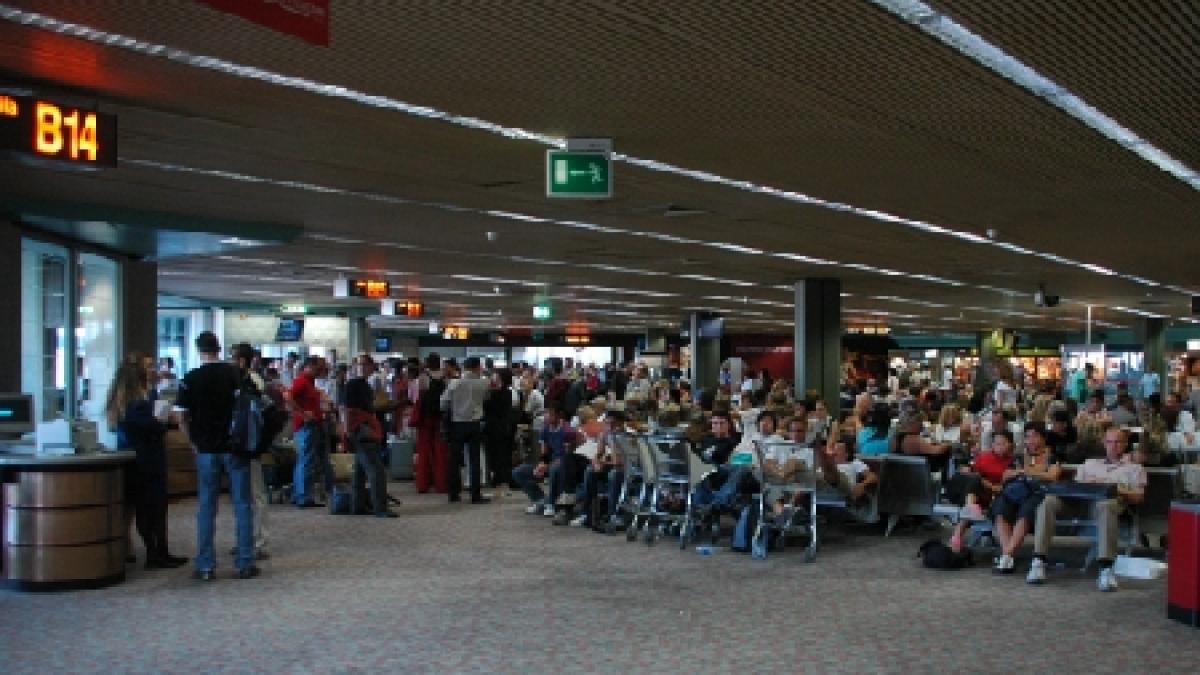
[624,291]
[912,11]
[910,301]
[1139,312]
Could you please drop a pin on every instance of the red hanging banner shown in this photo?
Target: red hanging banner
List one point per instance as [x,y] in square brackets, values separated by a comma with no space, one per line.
[305,19]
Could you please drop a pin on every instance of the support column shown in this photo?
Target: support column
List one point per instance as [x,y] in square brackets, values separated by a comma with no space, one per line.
[1153,335]
[706,357]
[817,354]
[988,345]
[10,306]
[360,338]
[139,307]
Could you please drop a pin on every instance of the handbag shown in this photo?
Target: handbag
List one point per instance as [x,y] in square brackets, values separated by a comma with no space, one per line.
[1020,488]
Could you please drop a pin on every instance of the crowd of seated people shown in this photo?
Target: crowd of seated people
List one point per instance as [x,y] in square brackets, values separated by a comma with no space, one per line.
[993,455]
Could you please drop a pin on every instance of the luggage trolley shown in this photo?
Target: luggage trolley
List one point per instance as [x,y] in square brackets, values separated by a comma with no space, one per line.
[665,486]
[633,488]
[795,520]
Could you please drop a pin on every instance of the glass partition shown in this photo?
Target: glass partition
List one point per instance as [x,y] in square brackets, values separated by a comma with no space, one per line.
[97,352]
[45,305]
[70,332]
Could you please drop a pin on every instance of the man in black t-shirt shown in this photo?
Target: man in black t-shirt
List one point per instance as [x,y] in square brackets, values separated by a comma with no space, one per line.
[207,395]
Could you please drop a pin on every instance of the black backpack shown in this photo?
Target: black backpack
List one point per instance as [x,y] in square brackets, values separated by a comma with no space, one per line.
[937,556]
[431,398]
[246,423]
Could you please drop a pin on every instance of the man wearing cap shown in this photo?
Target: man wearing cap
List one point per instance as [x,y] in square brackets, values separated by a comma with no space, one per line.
[207,395]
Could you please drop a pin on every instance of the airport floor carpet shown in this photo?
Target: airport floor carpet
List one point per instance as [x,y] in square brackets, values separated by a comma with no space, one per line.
[488,589]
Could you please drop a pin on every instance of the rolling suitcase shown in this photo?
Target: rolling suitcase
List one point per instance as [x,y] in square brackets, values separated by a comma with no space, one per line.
[400,462]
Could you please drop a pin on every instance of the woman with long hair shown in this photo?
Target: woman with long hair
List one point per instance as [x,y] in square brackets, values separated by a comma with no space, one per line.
[130,412]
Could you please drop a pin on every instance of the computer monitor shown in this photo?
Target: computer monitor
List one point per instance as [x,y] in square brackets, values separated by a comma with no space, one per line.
[16,414]
[383,343]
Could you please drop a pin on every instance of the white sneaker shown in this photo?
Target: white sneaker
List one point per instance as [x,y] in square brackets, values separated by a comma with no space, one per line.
[1037,572]
[533,509]
[1004,564]
[579,521]
[548,511]
[1107,581]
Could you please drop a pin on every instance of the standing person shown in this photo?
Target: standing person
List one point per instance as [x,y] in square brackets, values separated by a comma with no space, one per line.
[499,427]
[364,435]
[243,358]
[308,430]
[463,401]
[431,452]
[287,370]
[207,396]
[130,412]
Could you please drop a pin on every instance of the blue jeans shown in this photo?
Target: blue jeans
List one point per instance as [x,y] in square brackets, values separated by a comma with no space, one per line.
[209,467]
[523,476]
[592,479]
[309,449]
[723,496]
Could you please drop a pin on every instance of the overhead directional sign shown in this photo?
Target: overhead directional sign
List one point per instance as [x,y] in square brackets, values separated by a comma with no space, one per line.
[578,175]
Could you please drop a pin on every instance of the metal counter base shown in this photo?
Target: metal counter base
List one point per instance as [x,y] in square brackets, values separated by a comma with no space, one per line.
[62,521]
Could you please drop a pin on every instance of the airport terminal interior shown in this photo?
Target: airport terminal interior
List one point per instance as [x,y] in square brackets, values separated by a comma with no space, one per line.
[641,336]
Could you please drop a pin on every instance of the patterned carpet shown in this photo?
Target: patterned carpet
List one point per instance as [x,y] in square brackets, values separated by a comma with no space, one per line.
[487,589]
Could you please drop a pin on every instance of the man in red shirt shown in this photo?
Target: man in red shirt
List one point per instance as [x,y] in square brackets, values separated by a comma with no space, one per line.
[305,403]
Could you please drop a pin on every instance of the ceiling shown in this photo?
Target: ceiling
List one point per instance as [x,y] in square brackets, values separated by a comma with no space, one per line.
[831,138]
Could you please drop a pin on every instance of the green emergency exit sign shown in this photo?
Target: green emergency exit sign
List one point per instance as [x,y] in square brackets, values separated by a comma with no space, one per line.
[578,175]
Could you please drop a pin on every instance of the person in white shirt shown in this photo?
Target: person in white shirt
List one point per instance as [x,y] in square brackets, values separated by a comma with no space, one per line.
[287,371]
[1114,469]
[463,401]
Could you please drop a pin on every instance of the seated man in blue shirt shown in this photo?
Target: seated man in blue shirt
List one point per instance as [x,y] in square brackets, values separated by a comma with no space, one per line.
[557,441]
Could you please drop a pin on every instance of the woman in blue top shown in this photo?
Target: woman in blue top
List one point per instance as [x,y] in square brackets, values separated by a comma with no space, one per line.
[130,413]
[872,440]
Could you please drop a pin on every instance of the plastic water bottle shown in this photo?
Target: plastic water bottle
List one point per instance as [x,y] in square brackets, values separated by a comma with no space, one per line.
[704,549]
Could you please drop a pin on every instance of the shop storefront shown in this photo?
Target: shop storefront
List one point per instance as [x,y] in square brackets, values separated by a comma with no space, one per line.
[1116,364]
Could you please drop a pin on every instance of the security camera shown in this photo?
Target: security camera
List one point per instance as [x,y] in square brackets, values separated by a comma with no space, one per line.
[1041,299]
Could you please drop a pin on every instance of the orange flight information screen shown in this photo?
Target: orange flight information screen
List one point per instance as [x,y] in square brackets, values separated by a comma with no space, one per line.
[50,130]
[375,289]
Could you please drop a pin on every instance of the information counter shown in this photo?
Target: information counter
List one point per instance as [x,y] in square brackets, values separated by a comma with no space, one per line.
[63,520]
